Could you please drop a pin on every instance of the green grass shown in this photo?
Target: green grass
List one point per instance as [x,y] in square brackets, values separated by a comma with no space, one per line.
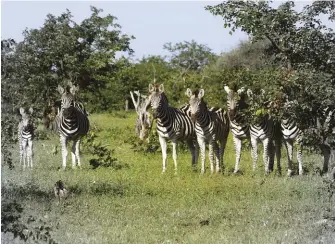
[138,204]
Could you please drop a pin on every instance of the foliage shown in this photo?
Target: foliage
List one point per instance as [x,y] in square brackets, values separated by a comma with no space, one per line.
[189,55]
[63,50]
[102,156]
[34,230]
[302,46]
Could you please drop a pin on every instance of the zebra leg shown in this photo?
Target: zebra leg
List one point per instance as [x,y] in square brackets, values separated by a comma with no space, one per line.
[202,146]
[21,150]
[238,147]
[254,154]
[217,156]
[77,153]
[30,153]
[223,144]
[74,153]
[174,155]
[266,156]
[289,149]
[162,142]
[211,156]
[63,143]
[278,154]
[271,155]
[193,149]
[299,158]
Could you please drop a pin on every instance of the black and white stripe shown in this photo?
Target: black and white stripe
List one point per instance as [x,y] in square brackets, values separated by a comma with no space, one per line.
[211,125]
[292,135]
[172,123]
[238,125]
[264,131]
[25,137]
[72,124]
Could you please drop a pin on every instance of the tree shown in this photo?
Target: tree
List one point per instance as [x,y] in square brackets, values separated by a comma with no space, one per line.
[305,49]
[62,50]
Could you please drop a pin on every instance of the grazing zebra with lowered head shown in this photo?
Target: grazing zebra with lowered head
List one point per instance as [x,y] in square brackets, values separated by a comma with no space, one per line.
[238,125]
[25,137]
[72,123]
[211,125]
[172,123]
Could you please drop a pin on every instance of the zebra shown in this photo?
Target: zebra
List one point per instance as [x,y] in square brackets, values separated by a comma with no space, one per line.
[211,125]
[292,134]
[264,130]
[144,118]
[72,123]
[173,124]
[238,125]
[25,137]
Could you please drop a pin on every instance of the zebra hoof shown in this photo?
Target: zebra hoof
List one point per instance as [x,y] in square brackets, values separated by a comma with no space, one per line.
[289,173]
[301,172]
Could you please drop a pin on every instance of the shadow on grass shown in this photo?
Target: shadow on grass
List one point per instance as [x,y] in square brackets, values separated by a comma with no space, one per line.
[29,190]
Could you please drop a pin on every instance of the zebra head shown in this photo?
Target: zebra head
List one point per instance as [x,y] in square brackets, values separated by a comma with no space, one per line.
[235,101]
[157,99]
[196,102]
[27,120]
[67,99]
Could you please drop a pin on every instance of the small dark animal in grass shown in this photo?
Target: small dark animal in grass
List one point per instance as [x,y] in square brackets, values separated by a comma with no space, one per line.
[60,190]
[204,222]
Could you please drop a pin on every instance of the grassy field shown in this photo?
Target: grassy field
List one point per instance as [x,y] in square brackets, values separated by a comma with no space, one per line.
[135,203]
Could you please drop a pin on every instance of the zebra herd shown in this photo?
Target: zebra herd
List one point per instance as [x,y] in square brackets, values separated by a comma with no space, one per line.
[70,123]
[195,123]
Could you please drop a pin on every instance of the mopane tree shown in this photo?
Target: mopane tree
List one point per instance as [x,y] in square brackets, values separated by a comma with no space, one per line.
[304,48]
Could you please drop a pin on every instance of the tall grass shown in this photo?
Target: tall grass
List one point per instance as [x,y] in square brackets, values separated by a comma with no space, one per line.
[138,204]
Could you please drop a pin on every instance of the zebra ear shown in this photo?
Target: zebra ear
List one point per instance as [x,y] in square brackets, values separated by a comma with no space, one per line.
[31,110]
[151,88]
[188,92]
[22,112]
[161,88]
[201,93]
[226,88]
[60,89]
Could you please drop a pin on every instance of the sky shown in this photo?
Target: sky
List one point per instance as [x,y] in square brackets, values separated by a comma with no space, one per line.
[153,23]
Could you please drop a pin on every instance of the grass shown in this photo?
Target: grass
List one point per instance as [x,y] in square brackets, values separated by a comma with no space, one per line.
[138,204]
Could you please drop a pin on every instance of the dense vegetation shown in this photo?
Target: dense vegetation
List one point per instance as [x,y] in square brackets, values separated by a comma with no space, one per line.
[290,54]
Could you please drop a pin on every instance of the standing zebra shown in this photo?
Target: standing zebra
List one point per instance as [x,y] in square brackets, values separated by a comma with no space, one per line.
[25,137]
[72,123]
[238,125]
[211,125]
[144,118]
[292,134]
[263,130]
[172,123]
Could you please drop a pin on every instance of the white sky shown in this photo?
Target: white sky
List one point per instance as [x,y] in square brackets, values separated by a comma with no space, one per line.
[153,23]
